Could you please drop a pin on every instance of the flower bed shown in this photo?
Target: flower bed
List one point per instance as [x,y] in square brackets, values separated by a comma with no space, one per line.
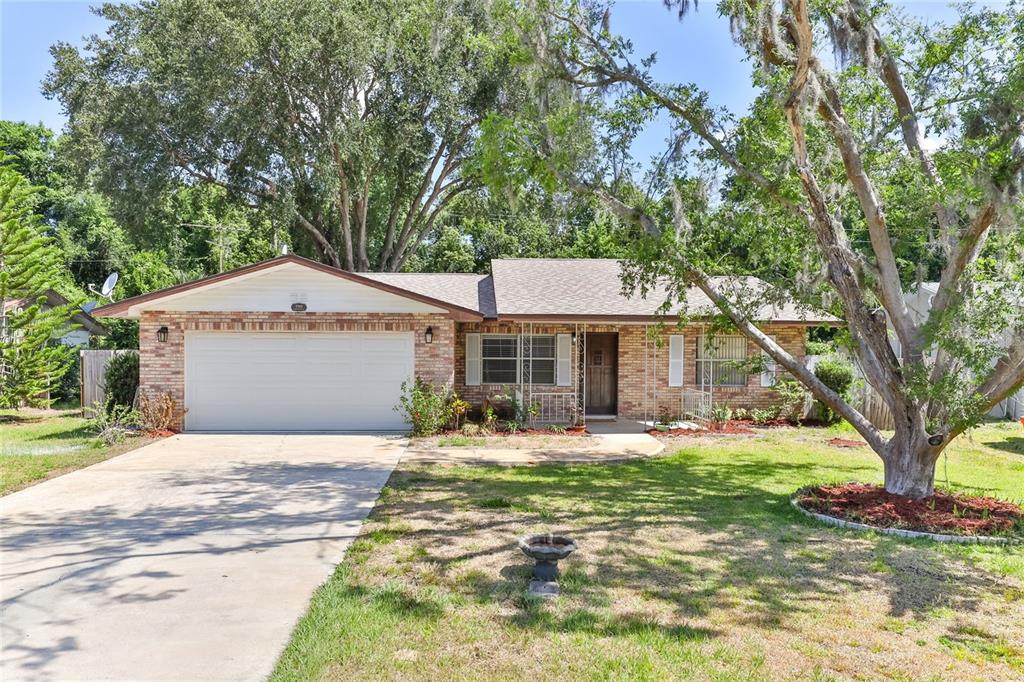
[944,512]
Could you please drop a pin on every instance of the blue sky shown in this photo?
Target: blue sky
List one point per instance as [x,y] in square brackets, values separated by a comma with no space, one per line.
[699,50]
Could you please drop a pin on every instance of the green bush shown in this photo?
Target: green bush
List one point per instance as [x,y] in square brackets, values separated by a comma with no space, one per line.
[121,380]
[428,409]
[114,422]
[820,347]
[793,396]
[68,391]
[837,374]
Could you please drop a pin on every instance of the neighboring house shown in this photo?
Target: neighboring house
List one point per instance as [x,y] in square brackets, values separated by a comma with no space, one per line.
[81,327]
[291,344]
[919,303]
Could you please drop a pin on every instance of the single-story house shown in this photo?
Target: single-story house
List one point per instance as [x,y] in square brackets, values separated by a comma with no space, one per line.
[292,344]
[80,328]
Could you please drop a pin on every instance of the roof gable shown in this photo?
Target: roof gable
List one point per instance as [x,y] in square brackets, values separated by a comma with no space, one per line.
[277,284]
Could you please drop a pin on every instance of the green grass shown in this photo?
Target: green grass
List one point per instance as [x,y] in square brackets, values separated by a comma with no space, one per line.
[690,566]
[460,442]
[36,445]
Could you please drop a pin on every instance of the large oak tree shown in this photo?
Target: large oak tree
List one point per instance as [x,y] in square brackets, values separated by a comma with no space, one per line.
[849,180]
[355,121]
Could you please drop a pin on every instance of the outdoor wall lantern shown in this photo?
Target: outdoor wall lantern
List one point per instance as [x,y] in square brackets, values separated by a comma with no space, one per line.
[428,335]
[161,334]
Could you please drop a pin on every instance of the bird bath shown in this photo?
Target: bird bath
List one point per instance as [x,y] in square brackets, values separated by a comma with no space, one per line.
[547,550]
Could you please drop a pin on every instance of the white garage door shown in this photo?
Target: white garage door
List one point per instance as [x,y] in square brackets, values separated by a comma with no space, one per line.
[295,382]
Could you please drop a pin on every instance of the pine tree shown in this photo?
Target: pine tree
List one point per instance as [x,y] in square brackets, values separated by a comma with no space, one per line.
[32,361]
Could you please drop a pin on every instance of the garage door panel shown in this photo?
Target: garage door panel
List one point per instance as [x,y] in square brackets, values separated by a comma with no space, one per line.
[274,381]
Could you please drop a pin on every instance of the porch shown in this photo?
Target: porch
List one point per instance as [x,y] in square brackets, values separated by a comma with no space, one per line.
[635,373]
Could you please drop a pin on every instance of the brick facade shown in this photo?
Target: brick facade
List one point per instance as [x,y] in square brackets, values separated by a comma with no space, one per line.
[162,364]
[631,367]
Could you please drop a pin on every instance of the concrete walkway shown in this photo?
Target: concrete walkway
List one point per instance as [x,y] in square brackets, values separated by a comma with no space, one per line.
[188,559]
[610,448]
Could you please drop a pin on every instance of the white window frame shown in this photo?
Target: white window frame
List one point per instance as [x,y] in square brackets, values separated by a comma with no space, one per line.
[520,369]
[702,360]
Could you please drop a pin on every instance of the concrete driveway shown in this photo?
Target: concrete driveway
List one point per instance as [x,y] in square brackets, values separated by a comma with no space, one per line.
[191,558]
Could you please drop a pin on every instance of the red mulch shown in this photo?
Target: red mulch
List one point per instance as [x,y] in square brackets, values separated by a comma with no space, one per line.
[161,433]
[846,443]
[872,505]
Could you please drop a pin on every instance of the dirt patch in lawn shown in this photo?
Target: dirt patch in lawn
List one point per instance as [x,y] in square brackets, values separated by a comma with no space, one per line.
[943,512]
[846,443]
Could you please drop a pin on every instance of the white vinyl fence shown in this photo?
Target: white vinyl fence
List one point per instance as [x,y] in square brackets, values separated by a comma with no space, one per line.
[93,370]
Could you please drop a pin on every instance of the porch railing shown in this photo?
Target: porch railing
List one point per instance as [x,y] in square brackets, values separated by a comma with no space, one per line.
[554,408]
[696,404]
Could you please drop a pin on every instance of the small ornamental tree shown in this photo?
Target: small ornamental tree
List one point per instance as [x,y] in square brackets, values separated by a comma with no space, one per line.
[32,362]
[847,181]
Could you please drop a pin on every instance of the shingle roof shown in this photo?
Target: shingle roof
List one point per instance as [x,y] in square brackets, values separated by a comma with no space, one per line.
[571,288]
[467,290]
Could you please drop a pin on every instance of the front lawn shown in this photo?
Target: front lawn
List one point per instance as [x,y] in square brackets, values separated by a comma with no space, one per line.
[692,565]
[39,444]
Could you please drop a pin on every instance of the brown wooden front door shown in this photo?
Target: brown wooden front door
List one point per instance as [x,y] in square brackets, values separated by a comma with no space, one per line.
[602,373]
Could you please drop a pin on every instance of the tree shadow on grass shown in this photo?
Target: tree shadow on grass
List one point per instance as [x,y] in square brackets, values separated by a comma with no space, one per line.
[692,536]
[1013,444]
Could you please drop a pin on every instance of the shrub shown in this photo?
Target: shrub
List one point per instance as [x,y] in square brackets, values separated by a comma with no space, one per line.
[512,426]
[763,416]
[459,408]
[721,414]
[471,429]
[429,409]
[837,374]
[741,413]
[490,419]
[114,422]
[820,347]
[556,428]
[68,390]
[793,398]
[121,380]
[158,413]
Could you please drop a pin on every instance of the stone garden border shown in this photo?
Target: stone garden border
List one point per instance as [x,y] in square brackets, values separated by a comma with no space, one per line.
[903,533]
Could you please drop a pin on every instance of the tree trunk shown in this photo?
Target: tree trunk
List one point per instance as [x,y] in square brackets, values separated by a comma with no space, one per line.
[910,467]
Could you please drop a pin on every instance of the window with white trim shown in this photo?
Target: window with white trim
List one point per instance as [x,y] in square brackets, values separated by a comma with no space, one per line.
[539,359]
[719,361]
[502,362]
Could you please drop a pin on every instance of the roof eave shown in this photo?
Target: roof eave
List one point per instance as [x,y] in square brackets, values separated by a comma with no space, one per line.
[577,318]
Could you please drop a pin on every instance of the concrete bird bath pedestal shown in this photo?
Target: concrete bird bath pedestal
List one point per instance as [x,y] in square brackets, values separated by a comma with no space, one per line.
[547,550]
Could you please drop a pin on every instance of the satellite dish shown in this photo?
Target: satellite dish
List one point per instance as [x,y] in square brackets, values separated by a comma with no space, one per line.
[89,307]
[108,287]
[109,284]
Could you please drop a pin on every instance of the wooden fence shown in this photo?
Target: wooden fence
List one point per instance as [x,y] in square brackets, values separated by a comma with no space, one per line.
[93,369]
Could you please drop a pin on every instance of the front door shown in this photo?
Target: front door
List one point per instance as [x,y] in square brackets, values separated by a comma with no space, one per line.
[602,373]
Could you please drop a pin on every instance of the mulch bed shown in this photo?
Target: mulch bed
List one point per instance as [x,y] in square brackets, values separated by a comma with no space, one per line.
[943,512]
[161,433]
